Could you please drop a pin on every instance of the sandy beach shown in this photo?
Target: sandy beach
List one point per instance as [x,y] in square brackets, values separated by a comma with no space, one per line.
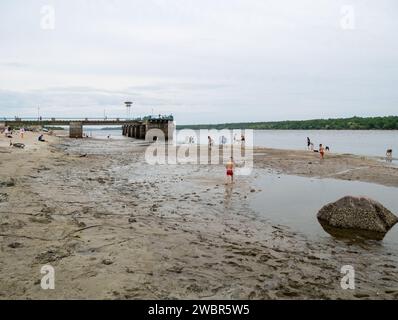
[115,227]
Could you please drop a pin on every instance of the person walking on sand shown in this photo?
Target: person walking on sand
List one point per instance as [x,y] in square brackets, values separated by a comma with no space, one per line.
[230,169]
[321,151]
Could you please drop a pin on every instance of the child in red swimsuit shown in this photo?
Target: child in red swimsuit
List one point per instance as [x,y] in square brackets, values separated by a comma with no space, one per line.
[230,169]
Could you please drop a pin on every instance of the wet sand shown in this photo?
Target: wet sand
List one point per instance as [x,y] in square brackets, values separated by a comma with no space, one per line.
[337,166]
[115,227]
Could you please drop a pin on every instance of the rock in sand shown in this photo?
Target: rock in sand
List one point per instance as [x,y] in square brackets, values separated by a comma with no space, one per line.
[357,214]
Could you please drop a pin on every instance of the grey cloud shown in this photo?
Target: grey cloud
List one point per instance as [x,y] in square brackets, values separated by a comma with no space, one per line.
[205,61]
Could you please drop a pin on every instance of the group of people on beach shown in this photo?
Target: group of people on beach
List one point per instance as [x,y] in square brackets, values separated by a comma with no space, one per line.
[8,132]
[222,141]
[321,150]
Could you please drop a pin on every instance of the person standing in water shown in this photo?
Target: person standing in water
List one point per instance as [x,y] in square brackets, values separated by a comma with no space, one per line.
[243,141]
[230,169]
[308,143]
[209,142]
[321,151]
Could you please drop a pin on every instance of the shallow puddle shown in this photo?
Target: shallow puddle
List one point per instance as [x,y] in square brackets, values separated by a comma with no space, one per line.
[294,201]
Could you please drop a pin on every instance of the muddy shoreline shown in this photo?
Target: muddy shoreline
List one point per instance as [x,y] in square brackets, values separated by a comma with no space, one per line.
[114,227]
[336,166]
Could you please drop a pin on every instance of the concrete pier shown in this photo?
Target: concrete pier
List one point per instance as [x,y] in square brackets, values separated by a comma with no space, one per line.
[76,130]
[150,129]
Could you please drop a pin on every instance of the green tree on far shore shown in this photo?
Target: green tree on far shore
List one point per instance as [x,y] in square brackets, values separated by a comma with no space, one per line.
[353,123]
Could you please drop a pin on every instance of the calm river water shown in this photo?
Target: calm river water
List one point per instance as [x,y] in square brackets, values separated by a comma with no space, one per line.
[360,142]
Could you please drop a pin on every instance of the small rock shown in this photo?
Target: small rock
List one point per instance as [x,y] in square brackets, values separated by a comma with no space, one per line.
[107,262]
[47,209]
[9,183]
[15,245]
[3,197]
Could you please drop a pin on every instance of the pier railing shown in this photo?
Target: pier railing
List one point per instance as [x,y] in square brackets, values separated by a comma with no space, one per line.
[80,119]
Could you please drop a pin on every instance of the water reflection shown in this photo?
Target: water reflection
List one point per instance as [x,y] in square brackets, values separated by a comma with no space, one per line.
[228,195]
[355,235]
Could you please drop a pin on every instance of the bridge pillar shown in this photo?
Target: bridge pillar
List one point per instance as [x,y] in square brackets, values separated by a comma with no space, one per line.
[131,129]
[142,131]
[131,135]
[76,129]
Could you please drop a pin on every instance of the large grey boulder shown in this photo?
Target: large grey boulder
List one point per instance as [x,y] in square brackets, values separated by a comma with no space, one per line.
[357,213]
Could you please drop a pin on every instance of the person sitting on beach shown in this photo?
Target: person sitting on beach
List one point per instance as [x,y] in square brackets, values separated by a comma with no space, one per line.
[41,138]
[230,169]
[321,151]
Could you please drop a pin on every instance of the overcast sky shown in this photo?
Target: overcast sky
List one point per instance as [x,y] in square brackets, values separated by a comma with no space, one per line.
[205,61]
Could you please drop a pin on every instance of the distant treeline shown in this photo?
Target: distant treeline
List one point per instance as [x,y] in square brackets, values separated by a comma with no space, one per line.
[354,123]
